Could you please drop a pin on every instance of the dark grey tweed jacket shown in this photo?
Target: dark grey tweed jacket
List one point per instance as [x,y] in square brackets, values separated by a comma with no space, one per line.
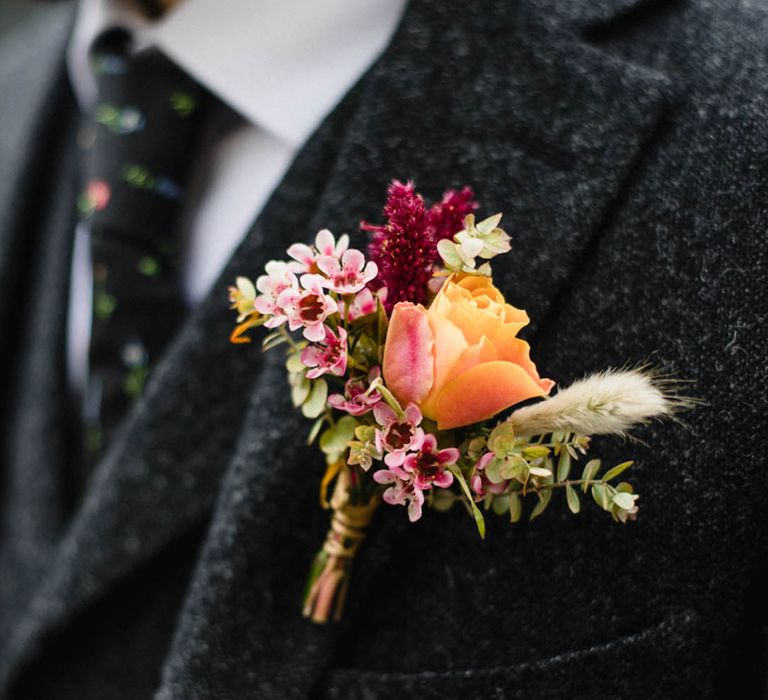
[627,143]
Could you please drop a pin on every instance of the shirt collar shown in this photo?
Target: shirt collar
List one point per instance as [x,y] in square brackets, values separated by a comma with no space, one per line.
[282,65]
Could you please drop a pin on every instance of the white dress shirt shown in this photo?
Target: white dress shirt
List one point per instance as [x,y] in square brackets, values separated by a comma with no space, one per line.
[283,65]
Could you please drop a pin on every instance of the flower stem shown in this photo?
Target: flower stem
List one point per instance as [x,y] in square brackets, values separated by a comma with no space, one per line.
[289,339]
[387,395]
[561,485]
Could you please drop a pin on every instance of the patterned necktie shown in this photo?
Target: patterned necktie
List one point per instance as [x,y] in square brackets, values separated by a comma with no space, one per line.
[142,132]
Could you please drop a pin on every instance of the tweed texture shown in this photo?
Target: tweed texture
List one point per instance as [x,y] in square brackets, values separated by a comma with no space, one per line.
[626,143]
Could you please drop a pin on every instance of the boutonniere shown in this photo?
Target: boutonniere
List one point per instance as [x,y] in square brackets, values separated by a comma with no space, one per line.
[409,362]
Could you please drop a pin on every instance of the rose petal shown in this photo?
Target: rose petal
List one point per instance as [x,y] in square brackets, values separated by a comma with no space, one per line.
[517,351]
[480,353]
[448,348]
[408,367]
[482,392]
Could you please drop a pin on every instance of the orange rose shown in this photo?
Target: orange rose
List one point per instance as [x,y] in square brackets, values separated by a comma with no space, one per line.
[460,360]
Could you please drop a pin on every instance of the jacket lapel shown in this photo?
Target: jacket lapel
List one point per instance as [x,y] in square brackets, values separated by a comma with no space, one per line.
[34,95]
[522,118]
[31,75]
[35,244]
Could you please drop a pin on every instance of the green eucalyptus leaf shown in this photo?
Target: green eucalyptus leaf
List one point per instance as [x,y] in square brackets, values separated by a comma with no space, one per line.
[315,403]
[618,469]
[574,505]
[564,465]
[515,467]
[545,497]
[315,430]
[598,494]
[603,495]
[476,447]
[515,506]
[540,472]
[365,433]
[499,505]
[501,441]
[590,472]
[300,389]
[334,440]
[535,451]
[494,470]
[294,364]
[366,350]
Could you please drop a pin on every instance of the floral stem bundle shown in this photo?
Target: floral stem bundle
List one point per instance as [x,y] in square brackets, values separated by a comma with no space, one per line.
[409,363]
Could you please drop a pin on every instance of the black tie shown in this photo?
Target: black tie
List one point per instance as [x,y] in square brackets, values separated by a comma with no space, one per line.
[143,128]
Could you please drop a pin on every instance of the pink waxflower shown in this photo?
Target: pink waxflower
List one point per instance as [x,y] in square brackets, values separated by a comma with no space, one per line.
[330,356]
[278,278]
[348,275]
[402,492]
[428,465]
[480,483]
[397,435]
[305,257]
[357,399]
[307,308]
[363,304]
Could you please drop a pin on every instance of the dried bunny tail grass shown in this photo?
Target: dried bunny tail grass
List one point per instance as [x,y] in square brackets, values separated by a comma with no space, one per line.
[605,403]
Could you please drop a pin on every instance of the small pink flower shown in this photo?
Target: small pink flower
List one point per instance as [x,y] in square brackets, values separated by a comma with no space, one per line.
[397,436]
[277,280]
[363,304]
[428,465]
[348,275]
[356,400]
[328,357]
[307,308]
[305,257]
[479,481]
[403,491]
